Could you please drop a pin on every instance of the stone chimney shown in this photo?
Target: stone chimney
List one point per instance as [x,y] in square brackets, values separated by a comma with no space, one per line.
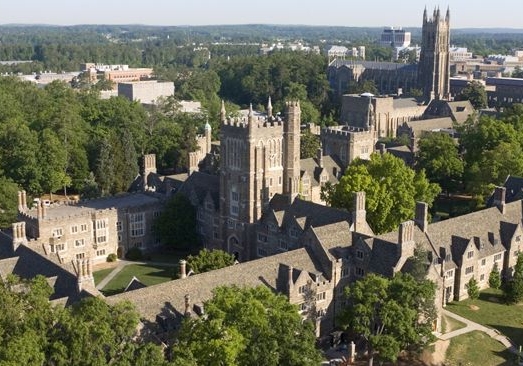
[319,156]
[290,282]
[20,206]
[499,198]
[422,216]
[39,213]
[406,242]
[183,268]
[24,200]
[44,209]
[85,274]
[19,236]
[359,214]
[187,299]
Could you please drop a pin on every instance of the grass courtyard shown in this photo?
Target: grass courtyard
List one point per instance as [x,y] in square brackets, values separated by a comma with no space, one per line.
[477,348]
[491,311]
[148,274]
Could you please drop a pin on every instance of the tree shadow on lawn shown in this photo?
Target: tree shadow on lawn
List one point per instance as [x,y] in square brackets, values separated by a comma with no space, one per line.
[514,334]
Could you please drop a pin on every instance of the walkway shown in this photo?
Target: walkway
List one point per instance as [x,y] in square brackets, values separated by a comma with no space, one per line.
[122,263]
[472,326]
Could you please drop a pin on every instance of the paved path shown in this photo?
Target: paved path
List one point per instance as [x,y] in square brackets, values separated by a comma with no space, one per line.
[122,263]
[472,326]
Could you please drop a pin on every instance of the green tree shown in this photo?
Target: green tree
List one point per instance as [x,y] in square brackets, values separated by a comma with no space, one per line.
[54,160]
[494,279]
[475,93]
[8,202]
[514,287]
[392,190]
[473,289]
[438,156]
[248,326]
[390,314]
[176,225]
[208,260]
[517,73]
[309,145]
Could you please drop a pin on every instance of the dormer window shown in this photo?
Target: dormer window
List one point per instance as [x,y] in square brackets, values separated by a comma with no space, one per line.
[359,254]
[470,254]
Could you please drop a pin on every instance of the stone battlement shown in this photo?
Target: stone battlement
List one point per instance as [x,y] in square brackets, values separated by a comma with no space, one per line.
[259,122]
[346,131]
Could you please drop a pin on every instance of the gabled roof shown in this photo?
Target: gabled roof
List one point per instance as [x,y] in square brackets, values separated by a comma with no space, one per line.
[199,184]
[313,169]
[134,284]
[514,190]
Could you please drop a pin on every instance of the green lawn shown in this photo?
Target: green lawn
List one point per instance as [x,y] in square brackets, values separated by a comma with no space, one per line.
[450,324]
[101,274]
[492,312]
[147,274]
[477,348]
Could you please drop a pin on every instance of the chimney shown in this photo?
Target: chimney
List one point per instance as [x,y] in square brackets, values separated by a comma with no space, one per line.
[19,236]
[499,198]
[187,299]
[319,156]
[39,210]
[382,149]
[24,200]
[183,268]
[44,210]
[20,206]
[359,215]
[422,216]
[406,239]
[290,283]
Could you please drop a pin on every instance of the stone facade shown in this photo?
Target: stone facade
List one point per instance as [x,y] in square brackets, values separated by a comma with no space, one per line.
[146,92]
[348,143]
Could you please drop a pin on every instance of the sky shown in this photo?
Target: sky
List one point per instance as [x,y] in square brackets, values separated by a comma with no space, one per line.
[353,13]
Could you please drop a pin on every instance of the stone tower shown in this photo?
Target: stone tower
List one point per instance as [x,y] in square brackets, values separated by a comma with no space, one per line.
[434,67]
[258,155]
[291,152]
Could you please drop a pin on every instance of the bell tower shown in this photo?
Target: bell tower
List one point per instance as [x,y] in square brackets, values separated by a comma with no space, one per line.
[434,63]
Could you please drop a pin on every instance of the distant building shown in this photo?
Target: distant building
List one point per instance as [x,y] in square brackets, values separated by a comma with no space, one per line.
[506,91]
[395,37]
[146,92]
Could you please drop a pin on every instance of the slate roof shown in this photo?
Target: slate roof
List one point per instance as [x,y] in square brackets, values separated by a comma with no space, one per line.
[315,215]
[168,297]
[514,190]
[374,65]
[429,124]
[312,167]
[199,184]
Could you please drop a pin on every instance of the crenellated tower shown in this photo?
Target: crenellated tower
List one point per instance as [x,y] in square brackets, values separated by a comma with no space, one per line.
[434,63]
[291,152]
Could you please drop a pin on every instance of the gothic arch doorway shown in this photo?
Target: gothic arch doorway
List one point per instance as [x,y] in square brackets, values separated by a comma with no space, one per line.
[234,246]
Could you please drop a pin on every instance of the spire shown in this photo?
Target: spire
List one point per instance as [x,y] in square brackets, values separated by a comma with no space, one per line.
[438,14]
[425,15]
[269,108]
[434,14]
[447,17]
[222,111]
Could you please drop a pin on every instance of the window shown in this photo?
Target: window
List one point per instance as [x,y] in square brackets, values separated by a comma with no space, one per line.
[74,229]
[119,226]
[497,257]
[119,237]
[215,235]
[156,213]
[262,238]
[344,272]
[359,254]
[518,238]
[320,296]
[230,224]
[262,252]
[482,278]
[271,227]
[469,270]
[360,272]
[303,306]
[235,197]
[483,262]
[80,255]
[200,215]
[302,289]
[137,222]
[448,257]
[283,244]
[293,233]
[79,243]
[57,248]
[83,228]
[100,252]
[234,210]
[57,233]
[279,181]
[101,231]
[449,274]
[320,313]
[470,254]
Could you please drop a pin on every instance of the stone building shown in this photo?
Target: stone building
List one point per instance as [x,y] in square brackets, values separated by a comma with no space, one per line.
[146,92]
[91,229]
[434,63]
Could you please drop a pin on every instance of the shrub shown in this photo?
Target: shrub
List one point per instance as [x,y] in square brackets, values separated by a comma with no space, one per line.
[112,257]
[473,289]
[134,254]
[494,279]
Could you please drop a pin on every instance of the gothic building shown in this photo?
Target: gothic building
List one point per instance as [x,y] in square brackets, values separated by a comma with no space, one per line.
[431,74]
[434,63]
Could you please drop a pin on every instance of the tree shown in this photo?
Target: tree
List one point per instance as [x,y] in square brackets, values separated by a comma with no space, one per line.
[390,314]
[248,326]
[438,156]
[208,260]
[309,145]
[494,279]
[517,73]
[475,93]
[514,287]
[392,190]
[8,202]
[473,289]
[176,225]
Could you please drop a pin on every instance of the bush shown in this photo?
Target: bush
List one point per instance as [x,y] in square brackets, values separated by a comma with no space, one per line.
[134,254]
[473,289]
[112,257]
[494,279]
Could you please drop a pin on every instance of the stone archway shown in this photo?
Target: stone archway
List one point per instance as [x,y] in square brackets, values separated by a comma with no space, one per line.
[234,247]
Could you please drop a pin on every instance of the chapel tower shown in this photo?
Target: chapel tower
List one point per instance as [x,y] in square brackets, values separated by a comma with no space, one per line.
[434,63]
